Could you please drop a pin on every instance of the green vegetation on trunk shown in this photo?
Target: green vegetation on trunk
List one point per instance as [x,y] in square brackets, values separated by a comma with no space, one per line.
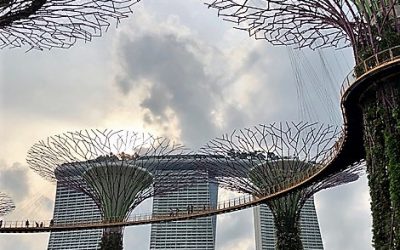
[382,143]
[287,230]
[286,212]
[387,38]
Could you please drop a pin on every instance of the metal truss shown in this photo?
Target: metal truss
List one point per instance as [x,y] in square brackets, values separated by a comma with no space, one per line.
[309,23]
[45,24]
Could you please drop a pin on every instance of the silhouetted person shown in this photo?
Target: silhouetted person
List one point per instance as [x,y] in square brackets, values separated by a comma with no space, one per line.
[37,224]
[27,223]
[1,223]
[41,224]
[51,222]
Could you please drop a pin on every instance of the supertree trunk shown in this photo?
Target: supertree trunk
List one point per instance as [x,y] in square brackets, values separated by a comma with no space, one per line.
[112,239]
[287,235]
[381,114]
[287,225]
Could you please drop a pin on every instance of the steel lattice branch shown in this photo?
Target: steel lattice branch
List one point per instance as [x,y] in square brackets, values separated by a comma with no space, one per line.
[44,24]
[6,204]
[314,24]
[253,160]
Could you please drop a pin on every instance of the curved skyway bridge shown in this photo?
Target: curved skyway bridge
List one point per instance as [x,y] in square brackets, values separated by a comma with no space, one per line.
[347,151]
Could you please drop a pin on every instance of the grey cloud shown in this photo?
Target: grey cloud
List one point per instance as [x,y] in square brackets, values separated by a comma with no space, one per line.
[47,203]
[178,81]
[57,85]
[175,67]
[14,181]
[236,119]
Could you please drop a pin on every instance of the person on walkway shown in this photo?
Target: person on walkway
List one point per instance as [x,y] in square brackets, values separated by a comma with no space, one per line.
[1,223]
[27,223]
[51,222]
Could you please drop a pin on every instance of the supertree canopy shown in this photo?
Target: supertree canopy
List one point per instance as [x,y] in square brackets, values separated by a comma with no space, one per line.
[115,168]
[257,159]
[44,24]
[366,25]
[6,204]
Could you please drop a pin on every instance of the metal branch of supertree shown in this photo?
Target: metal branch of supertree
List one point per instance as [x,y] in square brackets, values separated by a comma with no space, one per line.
[117,169]
[309,23]
[6,204]
[252,160]
[44,24]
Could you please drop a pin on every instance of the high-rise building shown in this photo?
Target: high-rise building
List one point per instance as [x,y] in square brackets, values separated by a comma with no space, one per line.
[265,229]
[189,234]
[71,205]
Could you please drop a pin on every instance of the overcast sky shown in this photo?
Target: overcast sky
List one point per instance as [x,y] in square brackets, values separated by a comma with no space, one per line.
[172,68]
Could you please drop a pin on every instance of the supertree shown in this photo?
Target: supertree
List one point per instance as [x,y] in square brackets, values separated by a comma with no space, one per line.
[44,24]
[370,28]
[259,158]
[367,26]
[6,204]
[117,169]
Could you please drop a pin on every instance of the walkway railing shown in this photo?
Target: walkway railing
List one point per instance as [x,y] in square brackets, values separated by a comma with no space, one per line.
[234,204]
[368,65]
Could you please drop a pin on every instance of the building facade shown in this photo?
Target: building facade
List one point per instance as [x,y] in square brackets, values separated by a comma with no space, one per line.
[71,205]
[191,234]
[265,229]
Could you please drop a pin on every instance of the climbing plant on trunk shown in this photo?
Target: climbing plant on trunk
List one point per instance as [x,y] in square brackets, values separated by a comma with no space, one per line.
[382,142]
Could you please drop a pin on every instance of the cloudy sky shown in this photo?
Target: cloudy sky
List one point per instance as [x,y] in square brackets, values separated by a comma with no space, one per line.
[172,68]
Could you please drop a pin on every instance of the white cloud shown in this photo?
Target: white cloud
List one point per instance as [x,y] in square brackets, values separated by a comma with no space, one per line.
[344,216]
